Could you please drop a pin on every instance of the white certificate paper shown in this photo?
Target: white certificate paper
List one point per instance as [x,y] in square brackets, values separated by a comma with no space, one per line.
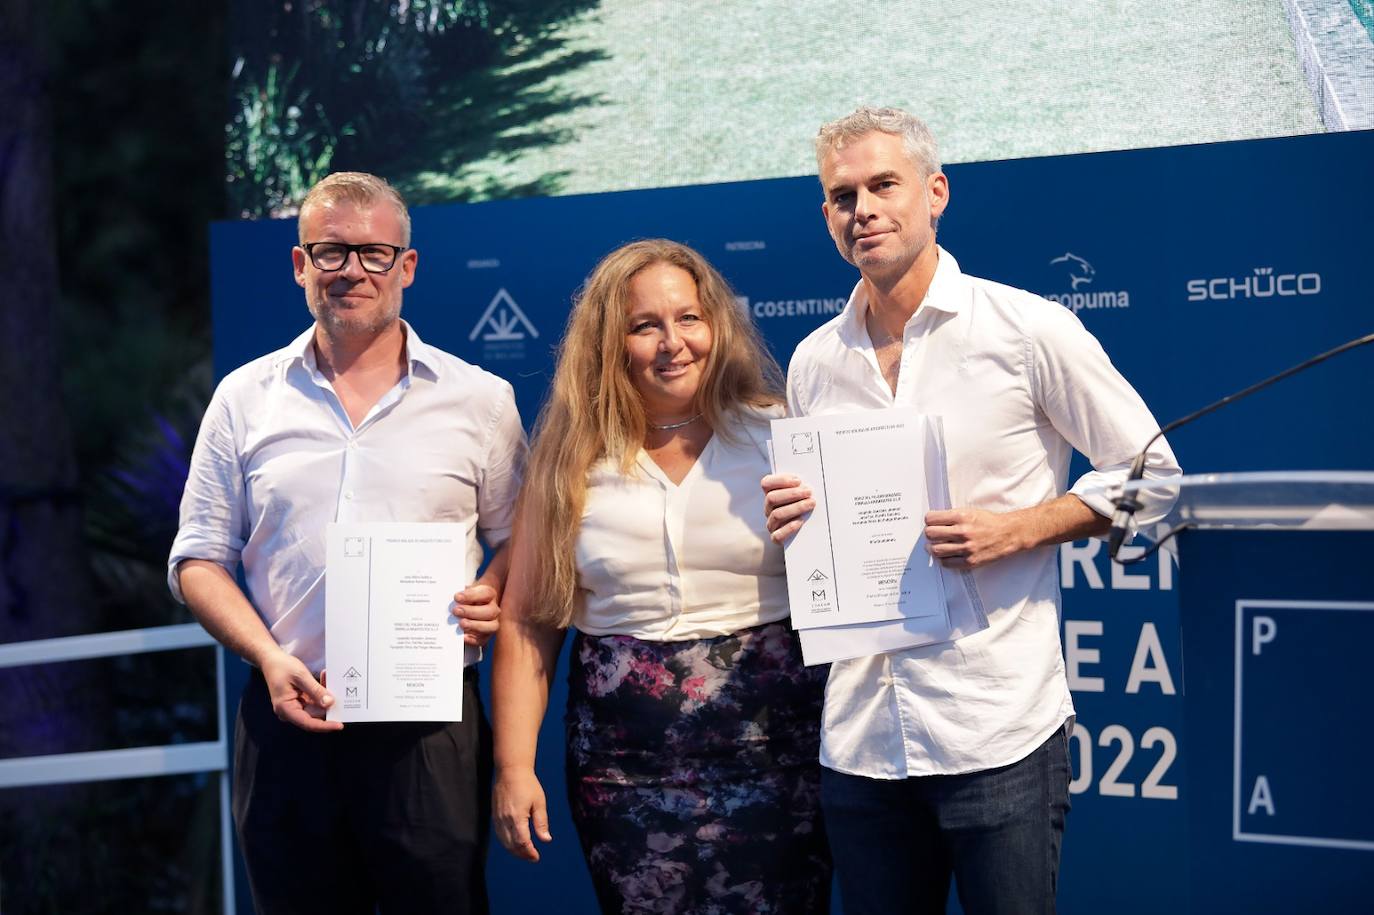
[392,650]
[861,555]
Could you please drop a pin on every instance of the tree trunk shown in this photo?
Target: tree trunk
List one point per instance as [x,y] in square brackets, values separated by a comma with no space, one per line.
[44,577]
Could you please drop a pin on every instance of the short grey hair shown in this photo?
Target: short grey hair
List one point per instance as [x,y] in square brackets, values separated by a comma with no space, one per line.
[917,139]
[360,189]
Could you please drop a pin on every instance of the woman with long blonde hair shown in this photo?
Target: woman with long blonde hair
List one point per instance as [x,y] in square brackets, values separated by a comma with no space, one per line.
[692,726]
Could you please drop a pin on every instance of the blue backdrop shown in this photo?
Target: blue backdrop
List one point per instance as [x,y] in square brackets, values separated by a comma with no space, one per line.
[1201,269]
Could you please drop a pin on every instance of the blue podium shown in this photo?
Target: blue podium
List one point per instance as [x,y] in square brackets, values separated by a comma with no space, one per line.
[1276,596]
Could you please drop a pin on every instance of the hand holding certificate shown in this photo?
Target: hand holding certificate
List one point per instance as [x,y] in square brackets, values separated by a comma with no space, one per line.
[859,577]
[392,650]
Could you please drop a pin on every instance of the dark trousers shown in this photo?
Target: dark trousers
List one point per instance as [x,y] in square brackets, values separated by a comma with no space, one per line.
[389,817]
[997,832]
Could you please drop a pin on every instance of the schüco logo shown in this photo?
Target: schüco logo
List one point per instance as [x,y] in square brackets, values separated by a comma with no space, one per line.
[1262,283]
[1081,274]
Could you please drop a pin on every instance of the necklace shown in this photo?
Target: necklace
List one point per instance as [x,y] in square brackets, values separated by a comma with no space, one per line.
[671,426]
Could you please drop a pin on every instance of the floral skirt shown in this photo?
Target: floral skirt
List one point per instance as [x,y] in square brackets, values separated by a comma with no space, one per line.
[693,774]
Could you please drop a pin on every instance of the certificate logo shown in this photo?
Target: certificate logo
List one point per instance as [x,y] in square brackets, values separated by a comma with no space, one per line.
[803,443]
[817,575]
[351,692]
[818,594]
[352,674]
[353,547]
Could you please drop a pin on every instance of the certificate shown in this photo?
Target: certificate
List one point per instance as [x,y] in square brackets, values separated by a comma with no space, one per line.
[861,555]
[841,643]
[392,650]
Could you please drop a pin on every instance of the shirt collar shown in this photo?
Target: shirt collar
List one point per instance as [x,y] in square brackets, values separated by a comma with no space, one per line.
[947,293]
[418,353]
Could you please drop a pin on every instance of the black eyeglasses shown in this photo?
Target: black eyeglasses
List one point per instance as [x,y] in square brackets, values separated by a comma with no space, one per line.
[332,255]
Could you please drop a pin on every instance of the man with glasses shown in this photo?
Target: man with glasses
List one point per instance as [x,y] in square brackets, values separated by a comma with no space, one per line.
[356,420]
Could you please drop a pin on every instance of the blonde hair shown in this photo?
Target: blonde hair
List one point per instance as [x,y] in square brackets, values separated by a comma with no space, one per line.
[917,140]
[595,412]
[359,189]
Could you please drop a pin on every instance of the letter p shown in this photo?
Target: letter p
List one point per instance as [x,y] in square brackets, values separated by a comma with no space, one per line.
[1263,630]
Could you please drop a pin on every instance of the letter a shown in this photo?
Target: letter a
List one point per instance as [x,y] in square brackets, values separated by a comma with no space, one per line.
[1149,665]
[1261,797]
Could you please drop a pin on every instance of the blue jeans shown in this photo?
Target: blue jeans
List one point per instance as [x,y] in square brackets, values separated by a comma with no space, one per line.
[896,844]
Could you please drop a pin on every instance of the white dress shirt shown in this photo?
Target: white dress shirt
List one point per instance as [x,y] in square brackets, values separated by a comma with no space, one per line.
[277,459]
[1020,384]
[665,562]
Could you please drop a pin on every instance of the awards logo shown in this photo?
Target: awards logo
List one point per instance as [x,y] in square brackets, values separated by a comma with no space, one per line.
[503,328]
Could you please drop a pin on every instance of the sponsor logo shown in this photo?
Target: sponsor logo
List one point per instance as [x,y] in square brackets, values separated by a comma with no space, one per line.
[483,263]
[503,320]
[1081,275]
[790,308]
[745,246]
[1262,283]
[503,328]
[1080,271]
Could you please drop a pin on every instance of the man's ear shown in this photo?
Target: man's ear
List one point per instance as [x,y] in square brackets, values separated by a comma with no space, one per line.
[298,262]
[937,186]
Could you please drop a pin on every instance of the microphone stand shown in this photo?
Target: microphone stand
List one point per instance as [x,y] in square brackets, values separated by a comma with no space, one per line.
[1128,503]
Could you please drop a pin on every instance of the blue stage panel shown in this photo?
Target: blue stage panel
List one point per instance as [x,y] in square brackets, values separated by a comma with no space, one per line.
[1200,269]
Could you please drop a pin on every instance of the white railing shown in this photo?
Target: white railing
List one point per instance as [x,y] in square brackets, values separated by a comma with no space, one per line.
[133,762]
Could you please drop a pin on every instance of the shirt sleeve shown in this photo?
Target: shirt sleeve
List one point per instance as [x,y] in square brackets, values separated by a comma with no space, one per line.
[503,470]
[214,519]
[1098,413]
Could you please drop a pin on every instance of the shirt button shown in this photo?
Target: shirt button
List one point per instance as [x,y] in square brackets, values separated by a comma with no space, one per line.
[349,495]
[352,445]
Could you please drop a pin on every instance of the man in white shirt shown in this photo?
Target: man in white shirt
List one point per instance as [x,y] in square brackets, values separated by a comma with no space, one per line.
[951,760]
[356,420]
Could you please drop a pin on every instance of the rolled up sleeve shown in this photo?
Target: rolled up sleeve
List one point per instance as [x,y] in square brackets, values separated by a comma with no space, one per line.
[503,471]
[213,523]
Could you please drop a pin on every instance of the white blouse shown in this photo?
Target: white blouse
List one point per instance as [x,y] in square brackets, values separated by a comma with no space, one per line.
[665,562]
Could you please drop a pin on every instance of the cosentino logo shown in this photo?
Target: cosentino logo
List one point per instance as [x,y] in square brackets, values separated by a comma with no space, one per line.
[1081,275]
[790,308]
[1262,283]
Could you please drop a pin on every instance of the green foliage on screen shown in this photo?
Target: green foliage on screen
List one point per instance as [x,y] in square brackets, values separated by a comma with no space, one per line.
[328,87]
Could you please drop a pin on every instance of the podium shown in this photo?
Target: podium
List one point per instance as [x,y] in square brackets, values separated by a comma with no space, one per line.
[1276,602]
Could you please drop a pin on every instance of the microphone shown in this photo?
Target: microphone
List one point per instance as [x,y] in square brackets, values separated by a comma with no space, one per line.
[1126,506]
[1128,503]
